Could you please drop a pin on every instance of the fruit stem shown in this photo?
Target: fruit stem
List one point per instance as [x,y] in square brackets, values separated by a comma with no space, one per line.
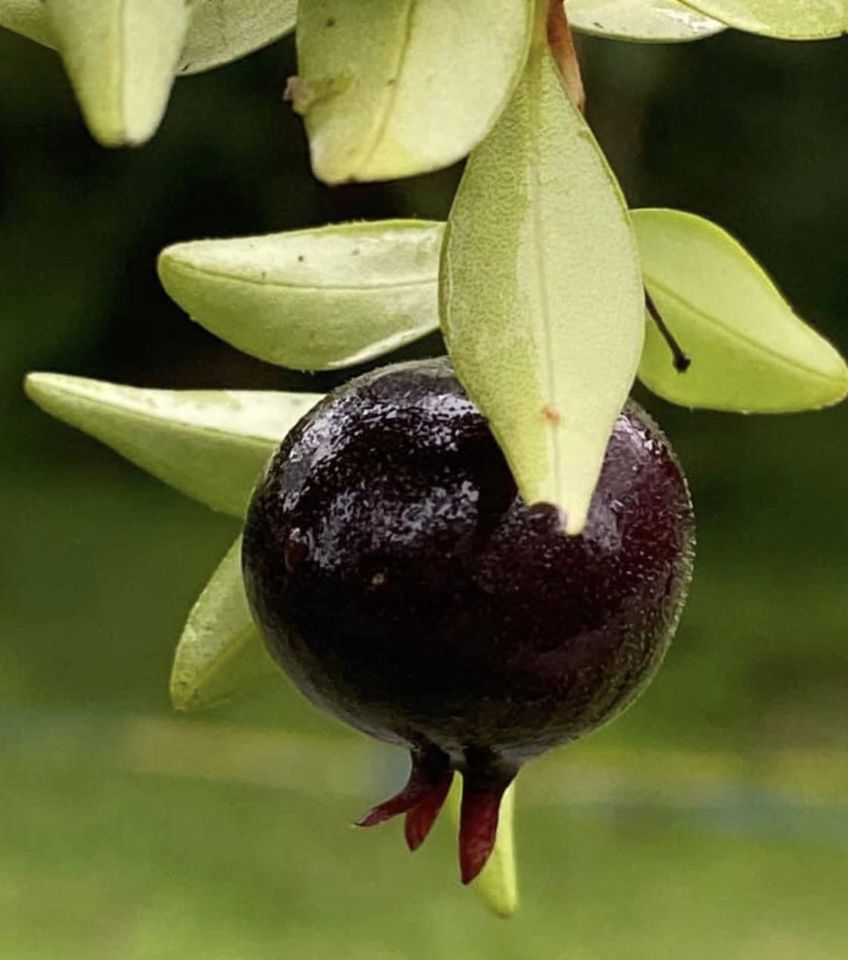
[682,361]
[561,42]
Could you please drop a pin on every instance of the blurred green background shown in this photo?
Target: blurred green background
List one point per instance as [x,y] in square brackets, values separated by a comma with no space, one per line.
[711,821]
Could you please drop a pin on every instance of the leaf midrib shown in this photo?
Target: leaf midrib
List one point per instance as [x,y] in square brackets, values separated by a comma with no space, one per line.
[254,438]
[290,285]
[534,86]
[391,99]
[733,333]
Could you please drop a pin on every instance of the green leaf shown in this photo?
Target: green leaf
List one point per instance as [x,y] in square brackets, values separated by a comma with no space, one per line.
[220,653]
[786,19]
[28,18]
[224,30]
[391,88]
[749,351]
[220,30]
[497,883]
[121,56]
[312,299]
[209,444]
[647,21]
[541,293]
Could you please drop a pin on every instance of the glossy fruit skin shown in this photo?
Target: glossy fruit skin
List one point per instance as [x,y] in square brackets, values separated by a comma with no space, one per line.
[404,586]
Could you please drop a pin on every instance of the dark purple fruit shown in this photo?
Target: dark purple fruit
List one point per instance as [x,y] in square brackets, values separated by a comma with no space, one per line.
[405,587]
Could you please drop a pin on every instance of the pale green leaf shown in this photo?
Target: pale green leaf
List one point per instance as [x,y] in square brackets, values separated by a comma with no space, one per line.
[391,88]
[220,30]
[749,351]
[121,57]
[220,653]
[497,883]
[541,294]
[647,21]
[210,444]
[28,18]
[786,19]
[312,299]
[224,30]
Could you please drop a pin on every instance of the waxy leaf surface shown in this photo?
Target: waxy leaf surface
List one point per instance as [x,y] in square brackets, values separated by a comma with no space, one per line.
[749,351]
[121,56]
[541,294]
[647,21]
[220,653]
[312,299]
[209,444]
[786,19]
[391,88]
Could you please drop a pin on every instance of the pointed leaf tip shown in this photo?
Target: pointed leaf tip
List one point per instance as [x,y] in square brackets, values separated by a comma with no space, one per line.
[122,57]
[541,293]
[220,653]
[312,299]
[210,444]
[749,351]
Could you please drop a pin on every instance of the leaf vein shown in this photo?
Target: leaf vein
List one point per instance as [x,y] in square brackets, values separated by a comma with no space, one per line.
[735,334]
[306,287]
[390,100]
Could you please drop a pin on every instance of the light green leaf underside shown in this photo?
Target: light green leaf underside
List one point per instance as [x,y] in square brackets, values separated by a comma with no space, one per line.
[224,30]
[785,19]
[497,883]
[749,351]
[220,653]
[392,88]
[121,57]
[29,18]
[210,444]
[541,297]
[647,21]
[312,299]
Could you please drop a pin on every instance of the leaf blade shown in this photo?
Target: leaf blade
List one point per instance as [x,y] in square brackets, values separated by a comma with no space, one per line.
[121,57]
[220,653]
[783,19]
[378,85]
[541,293]
[225,30]
[312,299]
[749,351]
[29,18]
[645,21]
[210,444]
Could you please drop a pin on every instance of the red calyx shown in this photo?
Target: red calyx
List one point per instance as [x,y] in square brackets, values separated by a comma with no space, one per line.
[422,799]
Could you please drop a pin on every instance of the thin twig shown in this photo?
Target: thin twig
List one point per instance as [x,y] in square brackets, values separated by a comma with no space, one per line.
[561,43]
[682,361]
